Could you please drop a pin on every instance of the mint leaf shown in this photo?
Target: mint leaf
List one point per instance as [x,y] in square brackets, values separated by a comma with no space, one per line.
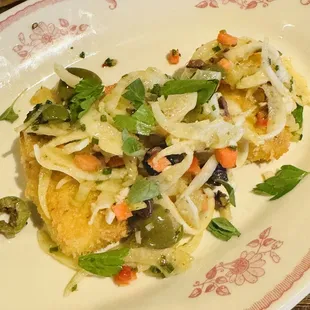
[9,114]
[141,122]
[222,229]
[131,145]
[298,114]
[143,189]
[135,93]
[104,264]
[86,93]
[230,190]
[283,182]
[190,86]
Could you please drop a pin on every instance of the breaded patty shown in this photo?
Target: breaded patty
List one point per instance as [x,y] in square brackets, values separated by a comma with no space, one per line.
[271,149]
[68,225]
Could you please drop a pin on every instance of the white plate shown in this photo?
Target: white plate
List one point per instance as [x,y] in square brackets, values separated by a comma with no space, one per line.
[139,34]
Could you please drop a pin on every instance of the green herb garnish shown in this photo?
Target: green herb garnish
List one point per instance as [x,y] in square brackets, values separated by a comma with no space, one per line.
[216,49]
[95,140]
[222,229]
[131,145]
[230,191]
[107,171]
[104,264]
[165,265]
[135,93]
[205,88]
[298,114]
[291,84]
[143,189]
[283,182]
[54,249]
[141,122]
[9,114]
[86,93]
[103,118]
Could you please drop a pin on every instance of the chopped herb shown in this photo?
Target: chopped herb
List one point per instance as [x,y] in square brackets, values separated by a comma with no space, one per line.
[109,62]
[222,229]
[141,122]
[213,108]
[216,49]
[131,145]
[83,127]
[103,118]
[71,48]
[74,288]
[82,55]
[54,249]
[143,189]
[277,67]
[298,114]
[269,60]
[283,182]
[95,140]
[135,93]
[159,196]
[155,270]
[86,93]
[104,264]
[98,182]
[291,84]
[107,171]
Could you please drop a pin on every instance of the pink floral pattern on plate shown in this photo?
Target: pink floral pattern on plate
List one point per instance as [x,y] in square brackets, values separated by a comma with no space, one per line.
[243,4]
[45,34]
[305,2]
[247,268]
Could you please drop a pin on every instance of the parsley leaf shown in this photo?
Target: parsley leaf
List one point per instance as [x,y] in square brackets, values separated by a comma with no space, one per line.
[298,115]
[131,145]
[9,115]
[230,190]
[86,93]
[104,264]
[135,93]
[143,189]
[283,182]
[222,229]
[141,122]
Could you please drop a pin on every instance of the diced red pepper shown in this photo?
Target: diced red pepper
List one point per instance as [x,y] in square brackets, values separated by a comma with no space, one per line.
[125,276]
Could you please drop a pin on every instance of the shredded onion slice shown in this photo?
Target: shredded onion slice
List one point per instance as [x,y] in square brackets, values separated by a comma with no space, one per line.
[202,177]
[76,146]
[75,280]
[243,152]
[44,181]
[69,78]
[63,181]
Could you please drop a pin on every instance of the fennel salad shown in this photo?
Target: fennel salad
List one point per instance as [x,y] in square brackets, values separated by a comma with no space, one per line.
[128,177]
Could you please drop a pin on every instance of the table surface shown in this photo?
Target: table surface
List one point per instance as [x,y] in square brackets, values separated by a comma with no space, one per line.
[7,4]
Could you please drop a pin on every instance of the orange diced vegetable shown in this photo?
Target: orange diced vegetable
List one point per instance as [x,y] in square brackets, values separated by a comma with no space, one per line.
[227,157]
[126,275]
[261,119]
[226,39]
[174,57]
[204,206]
[108,89]
[115,162]
[225,63]
[122,211]
[194,167]
[159,165]
[87,162]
